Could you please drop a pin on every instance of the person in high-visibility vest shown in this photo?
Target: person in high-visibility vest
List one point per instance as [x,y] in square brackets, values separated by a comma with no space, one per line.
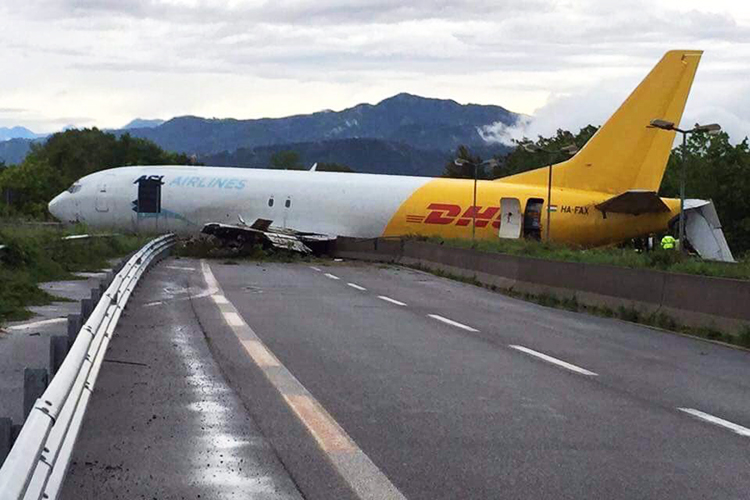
[668,242]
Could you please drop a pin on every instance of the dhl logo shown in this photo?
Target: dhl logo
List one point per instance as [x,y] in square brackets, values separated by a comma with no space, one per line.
[444,214]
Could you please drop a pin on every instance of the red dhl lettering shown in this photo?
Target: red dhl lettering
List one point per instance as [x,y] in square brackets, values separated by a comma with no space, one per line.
[446,213]
[442,213]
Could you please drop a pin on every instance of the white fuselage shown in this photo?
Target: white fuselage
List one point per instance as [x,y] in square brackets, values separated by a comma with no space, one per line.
[345,204]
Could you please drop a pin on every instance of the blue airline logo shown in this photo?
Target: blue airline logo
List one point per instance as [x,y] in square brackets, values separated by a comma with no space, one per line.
[209,182]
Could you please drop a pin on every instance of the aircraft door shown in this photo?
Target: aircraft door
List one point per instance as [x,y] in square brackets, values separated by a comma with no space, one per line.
[147,206]
[532,219]
[101,204]
[510,218]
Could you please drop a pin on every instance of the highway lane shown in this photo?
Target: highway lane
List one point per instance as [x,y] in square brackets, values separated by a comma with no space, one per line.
[448,412]
[663,368]
[163,422]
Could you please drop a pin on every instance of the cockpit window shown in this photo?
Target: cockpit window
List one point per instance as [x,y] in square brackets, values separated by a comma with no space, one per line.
[74,188]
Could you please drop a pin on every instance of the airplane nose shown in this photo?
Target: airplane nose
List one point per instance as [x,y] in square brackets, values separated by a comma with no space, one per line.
[55,207]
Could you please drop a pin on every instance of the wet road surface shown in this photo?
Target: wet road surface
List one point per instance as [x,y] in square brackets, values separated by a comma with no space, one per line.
[163,422]
[457,392]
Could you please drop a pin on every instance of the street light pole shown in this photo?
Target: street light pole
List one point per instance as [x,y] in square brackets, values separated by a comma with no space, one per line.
[712,129]
[462,162]
[549,202]
[681,235]
[474,208]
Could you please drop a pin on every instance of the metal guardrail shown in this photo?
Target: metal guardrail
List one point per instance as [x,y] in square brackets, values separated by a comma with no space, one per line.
[39,460]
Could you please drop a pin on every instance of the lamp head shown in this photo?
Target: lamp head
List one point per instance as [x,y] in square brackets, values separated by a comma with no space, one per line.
[710,129]
[662,124]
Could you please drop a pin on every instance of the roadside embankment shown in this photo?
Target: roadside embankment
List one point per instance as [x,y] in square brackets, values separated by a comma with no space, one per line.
[708,306]
[33,255]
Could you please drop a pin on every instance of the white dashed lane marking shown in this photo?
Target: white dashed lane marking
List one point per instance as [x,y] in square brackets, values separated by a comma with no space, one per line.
[552,360]
[332,276]
[452,323]
[357,287]
[315,268]
[392,301]
[738,429]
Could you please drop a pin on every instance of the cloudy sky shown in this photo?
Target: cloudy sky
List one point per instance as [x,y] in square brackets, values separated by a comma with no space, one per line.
[567,63]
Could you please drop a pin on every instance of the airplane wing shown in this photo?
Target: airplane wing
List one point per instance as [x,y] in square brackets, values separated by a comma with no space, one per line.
[262,230]
[634,202]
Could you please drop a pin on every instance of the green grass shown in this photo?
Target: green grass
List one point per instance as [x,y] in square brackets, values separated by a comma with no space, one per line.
[661,260]
[35,254]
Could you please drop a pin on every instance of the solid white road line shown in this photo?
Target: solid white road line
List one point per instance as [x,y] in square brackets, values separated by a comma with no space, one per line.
[315,268]
[392,301]
[233,319]
[552,360]
[29,326]
[220,299]
[742,431]
[357,287]
[452,323]
[363,476]
[181,268]
[329,275]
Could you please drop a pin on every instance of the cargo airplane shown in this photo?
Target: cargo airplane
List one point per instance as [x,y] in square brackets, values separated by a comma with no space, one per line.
[606,193]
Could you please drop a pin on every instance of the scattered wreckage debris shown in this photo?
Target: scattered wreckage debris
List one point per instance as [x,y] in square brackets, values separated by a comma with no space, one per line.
[262,232]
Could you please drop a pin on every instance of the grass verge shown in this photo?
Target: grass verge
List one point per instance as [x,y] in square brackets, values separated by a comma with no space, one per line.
[633,315]
[36,254]
[661,260]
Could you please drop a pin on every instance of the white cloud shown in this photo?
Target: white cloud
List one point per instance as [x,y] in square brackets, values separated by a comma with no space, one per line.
[569,63]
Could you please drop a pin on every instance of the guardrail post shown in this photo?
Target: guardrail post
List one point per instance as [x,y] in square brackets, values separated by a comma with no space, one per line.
[103,285]
[74,325]
[95,296]
[35,381]
[6,435]
[58,349]
[86,307]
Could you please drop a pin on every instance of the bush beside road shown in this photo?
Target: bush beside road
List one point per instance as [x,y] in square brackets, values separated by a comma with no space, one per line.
[37,254]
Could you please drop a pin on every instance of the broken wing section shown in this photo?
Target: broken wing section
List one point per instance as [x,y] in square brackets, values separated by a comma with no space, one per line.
[635,202]
[703,231]
[262,230]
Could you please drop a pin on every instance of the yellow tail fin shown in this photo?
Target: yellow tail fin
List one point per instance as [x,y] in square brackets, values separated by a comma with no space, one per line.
[624,154]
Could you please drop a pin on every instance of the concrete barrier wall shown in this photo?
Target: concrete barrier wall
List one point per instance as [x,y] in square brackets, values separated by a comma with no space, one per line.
[691,300]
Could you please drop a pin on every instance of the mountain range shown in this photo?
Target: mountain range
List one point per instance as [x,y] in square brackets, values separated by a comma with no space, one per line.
[8,133]
[404,134]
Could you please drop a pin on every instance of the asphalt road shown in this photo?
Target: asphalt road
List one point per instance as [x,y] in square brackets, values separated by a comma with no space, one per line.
[457,392]
[162,422]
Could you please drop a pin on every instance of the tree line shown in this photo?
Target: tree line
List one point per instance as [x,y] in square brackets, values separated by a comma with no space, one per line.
[51,167]
[715,169]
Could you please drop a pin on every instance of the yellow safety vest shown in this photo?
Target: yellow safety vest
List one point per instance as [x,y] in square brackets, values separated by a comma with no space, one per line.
[667,243]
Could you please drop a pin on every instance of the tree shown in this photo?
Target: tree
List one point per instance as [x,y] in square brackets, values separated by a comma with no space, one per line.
[67,156]
[465,171]
[715,170]
[286,160]
[520,160]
